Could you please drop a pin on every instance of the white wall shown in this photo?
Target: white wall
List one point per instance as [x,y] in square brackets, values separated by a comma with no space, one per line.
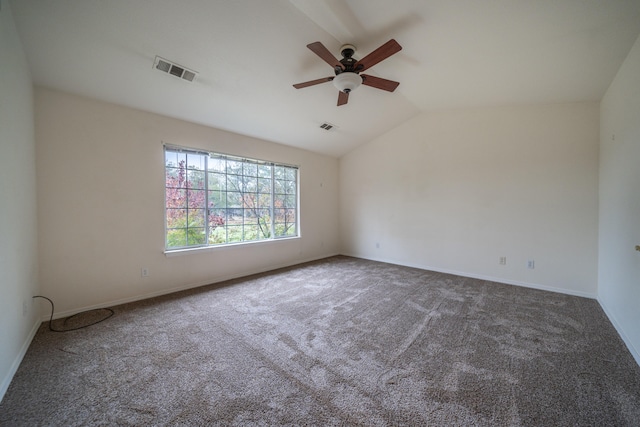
[101,204]
[619,262]
[454,191]
[18,245]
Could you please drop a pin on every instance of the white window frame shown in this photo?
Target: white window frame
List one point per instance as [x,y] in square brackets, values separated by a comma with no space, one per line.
[235,212]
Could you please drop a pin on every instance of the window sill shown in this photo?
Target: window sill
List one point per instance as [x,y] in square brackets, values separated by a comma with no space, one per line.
[202,249]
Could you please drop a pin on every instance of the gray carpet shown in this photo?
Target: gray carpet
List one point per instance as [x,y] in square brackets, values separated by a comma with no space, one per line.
[340,341]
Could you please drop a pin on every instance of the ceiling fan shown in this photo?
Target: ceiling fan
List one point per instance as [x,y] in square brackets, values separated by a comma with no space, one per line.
[348,69]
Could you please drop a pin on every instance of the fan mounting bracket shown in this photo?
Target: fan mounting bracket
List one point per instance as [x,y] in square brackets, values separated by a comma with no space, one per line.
[347,50]
[347,61]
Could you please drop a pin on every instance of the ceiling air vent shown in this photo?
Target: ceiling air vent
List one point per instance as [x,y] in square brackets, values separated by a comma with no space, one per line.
[174,69]
[327,126]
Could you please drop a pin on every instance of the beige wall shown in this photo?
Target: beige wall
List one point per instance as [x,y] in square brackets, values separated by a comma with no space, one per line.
[455,191]
[101,201]
[18,233]
[619,262]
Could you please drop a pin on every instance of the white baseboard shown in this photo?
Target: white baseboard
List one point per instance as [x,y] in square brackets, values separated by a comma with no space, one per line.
[6,381]
[488,278]
[211,281]
[634,352]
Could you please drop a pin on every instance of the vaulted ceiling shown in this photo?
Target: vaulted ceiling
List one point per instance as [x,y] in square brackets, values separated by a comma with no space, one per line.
[249,53]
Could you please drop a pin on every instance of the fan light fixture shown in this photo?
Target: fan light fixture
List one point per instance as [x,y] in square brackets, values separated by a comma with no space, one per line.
[347,81]
[347,70]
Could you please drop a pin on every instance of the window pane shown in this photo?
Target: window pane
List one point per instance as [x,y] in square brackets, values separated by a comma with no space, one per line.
[195,161]
[264,171]
[250,232]
[175,178]
[280,230]
[234,200]
[217,218]
[290,216]
[234,167]
[176,198]
[218,235]
[278,200]
[279,215]
[250,201]
[217,164]
[264,223]
[264,233]
[235,215]
[250,185]
[290,187]
[195,179]
[279,186]
[176,238]
[170,158]
[196,198]
[217,199]
[264,185]
[176,218]
[264,201]
[284,229]
[279,172]
[234,183]
[291,174]
[234,233]
[250,216]
[174,158]
[196,218]
[196,236]
[250,169]
[290,201]
[217,181]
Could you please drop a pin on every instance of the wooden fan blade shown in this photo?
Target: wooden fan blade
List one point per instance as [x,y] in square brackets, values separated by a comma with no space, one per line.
[379,83]
[319,49]
[312,82]
[343,98]
[380,54]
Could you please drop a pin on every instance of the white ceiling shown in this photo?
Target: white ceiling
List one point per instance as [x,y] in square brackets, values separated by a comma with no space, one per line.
[248,53]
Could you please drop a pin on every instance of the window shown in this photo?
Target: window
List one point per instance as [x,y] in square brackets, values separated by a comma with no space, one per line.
[215,199]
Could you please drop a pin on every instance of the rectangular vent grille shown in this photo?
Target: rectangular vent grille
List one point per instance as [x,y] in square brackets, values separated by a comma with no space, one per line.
[327,126]
[174,69]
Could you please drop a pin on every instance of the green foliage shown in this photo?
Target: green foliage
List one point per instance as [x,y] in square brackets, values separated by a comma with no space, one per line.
[184,235]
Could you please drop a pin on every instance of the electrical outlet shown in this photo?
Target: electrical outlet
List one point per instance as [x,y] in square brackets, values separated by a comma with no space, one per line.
[531,264]
[144,272]
[25,309]
[377,245]
[503,260]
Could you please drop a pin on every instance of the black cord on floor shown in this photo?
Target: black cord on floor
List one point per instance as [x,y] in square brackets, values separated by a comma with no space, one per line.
[71,317]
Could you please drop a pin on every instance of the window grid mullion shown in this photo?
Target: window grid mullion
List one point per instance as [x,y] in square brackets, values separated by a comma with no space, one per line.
[206,200]
[272,210]
[226,204]
[243,194]
[186,196]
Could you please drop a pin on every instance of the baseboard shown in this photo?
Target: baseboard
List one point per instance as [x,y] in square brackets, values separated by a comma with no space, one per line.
[6,381]
[487,278]
[634,352]
[211,281]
